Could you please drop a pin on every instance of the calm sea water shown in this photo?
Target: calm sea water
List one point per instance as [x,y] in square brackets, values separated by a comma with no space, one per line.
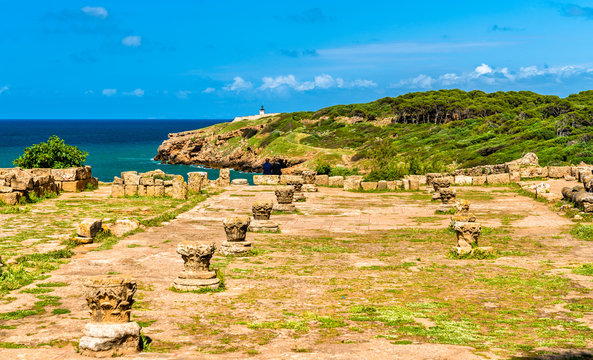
[113,145]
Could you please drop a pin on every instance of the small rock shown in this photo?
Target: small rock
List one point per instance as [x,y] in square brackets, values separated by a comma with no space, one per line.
[89,228]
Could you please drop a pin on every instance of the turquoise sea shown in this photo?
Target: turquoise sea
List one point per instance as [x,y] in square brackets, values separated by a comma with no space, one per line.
[113,145]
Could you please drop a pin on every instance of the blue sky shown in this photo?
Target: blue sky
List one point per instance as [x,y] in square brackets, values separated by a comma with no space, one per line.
[219,59]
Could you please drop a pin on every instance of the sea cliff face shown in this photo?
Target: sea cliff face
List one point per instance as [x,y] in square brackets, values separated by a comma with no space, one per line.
[214,148]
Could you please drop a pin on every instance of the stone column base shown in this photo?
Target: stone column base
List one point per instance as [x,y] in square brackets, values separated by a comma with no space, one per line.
[436,196]
[234,247]
[284,207]
[109,340]
[478,250]
[263,226]
[187,281]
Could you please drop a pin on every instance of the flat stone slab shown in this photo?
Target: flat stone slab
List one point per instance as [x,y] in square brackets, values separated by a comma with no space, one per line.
[108,340]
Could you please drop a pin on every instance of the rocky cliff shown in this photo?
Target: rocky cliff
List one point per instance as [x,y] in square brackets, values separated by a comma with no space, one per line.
[217,147]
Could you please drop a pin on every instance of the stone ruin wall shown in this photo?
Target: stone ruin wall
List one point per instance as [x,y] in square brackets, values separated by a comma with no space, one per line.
[16,183]
[152,184]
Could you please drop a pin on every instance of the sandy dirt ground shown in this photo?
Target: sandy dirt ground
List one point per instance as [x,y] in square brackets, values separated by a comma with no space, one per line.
[263,288]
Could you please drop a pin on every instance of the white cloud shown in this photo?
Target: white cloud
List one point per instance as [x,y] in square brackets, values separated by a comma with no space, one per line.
[136,92]
[98,11]
[361,84]
[396,48]
[490,75]
[323,81]
[132,41]
[482,70]
[208,90]
[3,89]
[238,85]
[183,94]
[109,92]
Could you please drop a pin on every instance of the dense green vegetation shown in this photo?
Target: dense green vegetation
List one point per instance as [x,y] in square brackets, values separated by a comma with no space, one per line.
[54,153]
[433,131]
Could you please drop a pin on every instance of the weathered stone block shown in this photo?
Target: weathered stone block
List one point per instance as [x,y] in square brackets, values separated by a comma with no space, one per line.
[414,184]
[109,340]
[117,190]
[159,190]
[224,177]
[479,180]
[121,227]
[169,190]
[39,172]
[146,181]
[336,181]
[515,176]
[391,185]
[89,228]
[497,179]
[195,181]
[534,171]
[22,184]
[352,183]
[70,174]
[130,190]
[141,190]
[266,179]
[406,184]
[559,172]
[288,179]
[179,190]
[463,180]
[73,186]
[420,178]
[382,185]
[322,180]
[368,185]
[11,198]
[130,178]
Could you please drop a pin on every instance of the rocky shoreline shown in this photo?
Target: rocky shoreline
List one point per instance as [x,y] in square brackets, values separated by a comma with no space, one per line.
[211,149]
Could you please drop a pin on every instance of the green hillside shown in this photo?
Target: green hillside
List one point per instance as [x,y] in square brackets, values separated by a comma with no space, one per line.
[430,131]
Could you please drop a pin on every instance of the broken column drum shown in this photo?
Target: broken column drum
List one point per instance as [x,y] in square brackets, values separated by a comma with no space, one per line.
[196,272]
[110,332]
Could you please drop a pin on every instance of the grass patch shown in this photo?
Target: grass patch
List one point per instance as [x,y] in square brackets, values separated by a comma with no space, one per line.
[585,269]
[582,232]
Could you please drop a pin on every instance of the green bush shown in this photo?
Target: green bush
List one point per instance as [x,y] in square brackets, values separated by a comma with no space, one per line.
[53,153]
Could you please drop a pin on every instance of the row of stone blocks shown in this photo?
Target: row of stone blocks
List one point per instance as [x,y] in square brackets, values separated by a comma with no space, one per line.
[153,184]
[16,183]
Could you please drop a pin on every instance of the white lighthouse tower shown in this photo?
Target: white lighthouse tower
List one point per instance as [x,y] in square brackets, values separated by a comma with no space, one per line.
[262,111]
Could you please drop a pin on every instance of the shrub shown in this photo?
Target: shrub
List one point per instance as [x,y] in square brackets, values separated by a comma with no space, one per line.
[53,153]
[323,168]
